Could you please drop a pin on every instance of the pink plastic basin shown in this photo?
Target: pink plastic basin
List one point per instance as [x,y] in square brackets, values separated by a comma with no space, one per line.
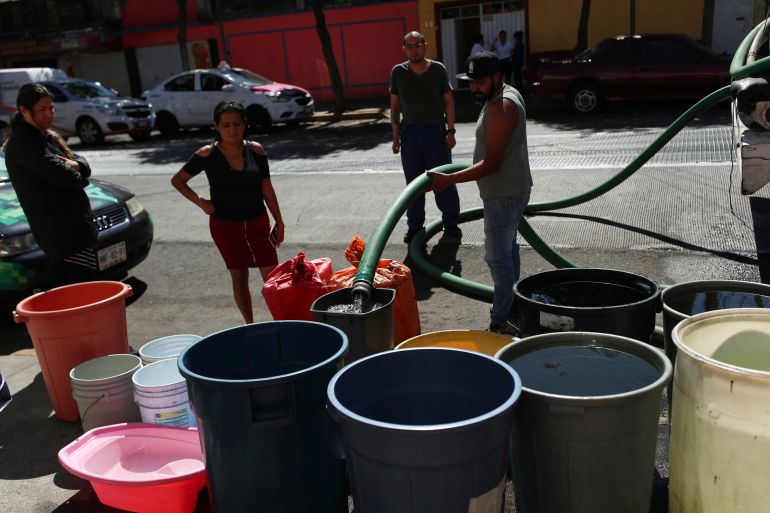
[138,467]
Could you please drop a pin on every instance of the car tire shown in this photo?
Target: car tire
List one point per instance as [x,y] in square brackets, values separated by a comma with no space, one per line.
[258,119]
[142,135]
[585,98]
[89,132]
[167,124]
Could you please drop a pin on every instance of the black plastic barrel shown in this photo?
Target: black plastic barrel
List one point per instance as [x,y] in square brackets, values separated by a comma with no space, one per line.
[593,300]
[586,426]
[259,394]
[369,330]
[426,430]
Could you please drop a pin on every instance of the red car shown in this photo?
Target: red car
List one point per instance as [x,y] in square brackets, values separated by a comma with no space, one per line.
[633,67]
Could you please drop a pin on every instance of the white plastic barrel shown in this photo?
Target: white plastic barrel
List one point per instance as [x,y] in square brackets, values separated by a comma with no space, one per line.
[720,440]
[103,390]
[160,391]
[166,347]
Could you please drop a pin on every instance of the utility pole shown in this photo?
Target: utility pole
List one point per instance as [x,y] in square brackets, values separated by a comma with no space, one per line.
[182,36]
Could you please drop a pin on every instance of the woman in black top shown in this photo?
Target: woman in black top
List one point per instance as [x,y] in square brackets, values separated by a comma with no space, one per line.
[49,181]
[240,188]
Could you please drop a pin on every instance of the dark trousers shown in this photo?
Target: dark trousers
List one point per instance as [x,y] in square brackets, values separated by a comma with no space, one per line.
[505,68]
[423,147]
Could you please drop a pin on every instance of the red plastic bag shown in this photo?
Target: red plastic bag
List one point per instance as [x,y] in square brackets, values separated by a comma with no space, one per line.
[293,285]
[390,274]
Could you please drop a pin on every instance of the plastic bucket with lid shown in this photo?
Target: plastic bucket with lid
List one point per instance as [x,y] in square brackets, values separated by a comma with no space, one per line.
[166,347]
[586,425]
[470,340]
[160,391]
[259,395]
[720,431]
[426,429]
[103,390]
[70,325]
[590,300]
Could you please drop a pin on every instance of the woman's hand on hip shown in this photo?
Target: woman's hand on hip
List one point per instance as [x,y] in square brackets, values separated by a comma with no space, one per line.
[206,205]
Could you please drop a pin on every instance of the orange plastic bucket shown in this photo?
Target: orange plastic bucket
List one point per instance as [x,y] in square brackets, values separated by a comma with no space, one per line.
[472,340]
[70,325]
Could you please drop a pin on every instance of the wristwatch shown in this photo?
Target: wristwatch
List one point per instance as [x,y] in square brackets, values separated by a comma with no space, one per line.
[451,130]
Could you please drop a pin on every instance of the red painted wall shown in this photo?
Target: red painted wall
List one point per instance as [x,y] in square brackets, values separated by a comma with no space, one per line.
[366,41]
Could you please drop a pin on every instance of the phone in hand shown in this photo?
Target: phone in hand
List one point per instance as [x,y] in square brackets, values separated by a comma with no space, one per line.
[274,236]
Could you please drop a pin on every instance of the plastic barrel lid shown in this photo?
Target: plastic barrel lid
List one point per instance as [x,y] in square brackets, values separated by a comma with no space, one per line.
[167,347]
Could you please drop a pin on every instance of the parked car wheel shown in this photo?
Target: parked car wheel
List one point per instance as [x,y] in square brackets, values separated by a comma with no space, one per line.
[142,135]
[258,119]
[585,97]
[167,124]
[89,132]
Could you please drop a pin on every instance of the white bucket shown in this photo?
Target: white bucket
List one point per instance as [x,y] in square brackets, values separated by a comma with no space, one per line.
[103,390]
[161,394]
[720,439]
[166,347]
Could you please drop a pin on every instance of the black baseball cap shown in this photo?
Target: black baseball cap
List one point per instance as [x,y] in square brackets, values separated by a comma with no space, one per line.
[480,65]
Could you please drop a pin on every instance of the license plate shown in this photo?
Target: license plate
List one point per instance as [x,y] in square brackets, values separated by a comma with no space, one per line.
[111,255]
[142,123]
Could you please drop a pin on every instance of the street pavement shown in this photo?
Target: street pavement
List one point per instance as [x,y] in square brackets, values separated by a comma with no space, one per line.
[678,219]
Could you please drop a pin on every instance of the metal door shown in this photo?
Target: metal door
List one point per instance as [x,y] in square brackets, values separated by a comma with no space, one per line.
[491,16]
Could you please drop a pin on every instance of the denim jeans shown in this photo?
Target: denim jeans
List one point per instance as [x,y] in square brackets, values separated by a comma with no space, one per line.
[501,250]
[423,147]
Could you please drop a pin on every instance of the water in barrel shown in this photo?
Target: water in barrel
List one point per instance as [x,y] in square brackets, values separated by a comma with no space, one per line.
[583,371]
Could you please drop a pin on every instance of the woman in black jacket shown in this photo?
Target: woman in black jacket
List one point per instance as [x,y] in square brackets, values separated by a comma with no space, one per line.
[49,181]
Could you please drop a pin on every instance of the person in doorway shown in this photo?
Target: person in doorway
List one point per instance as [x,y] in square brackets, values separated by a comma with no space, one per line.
[240,188]
[504,49]
[517,60]
[479,45]
[501,171]
[50,181]
[422,116]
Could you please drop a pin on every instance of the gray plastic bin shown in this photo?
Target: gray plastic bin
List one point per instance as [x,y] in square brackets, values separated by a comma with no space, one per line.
[426,430]
[259,394]
[592,450]
[369,332]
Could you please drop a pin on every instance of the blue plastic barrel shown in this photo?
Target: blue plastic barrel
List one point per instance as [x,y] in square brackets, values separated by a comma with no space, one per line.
[259,394]
[426,430]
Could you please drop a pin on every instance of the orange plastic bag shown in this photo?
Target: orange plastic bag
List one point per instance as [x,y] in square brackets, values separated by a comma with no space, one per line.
[390,274]
[293,285]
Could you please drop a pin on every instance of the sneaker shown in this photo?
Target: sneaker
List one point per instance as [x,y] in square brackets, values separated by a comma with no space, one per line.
[506,328]
[410,233]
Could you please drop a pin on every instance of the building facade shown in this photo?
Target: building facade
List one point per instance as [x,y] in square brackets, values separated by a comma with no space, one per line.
[131,45]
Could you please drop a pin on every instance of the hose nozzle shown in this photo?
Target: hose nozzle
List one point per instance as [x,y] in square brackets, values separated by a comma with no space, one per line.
[361,289]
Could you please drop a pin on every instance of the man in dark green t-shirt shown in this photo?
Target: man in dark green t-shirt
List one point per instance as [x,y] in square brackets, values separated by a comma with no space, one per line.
[422,114]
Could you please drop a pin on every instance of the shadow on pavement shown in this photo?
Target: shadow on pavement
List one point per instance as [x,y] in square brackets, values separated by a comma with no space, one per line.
[735,257]
[29,424]
[443,254]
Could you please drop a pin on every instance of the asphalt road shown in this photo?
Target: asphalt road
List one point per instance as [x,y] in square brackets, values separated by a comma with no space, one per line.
[679,218]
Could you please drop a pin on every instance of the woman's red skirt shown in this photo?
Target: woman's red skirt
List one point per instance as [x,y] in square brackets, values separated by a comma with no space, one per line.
[244,243]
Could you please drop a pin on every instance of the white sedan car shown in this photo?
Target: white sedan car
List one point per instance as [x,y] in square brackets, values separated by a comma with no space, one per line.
[187,100]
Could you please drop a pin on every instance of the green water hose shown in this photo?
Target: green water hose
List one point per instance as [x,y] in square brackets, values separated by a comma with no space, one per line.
[376,243]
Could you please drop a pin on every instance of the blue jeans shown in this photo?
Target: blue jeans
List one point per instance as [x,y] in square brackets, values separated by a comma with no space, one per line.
[501,250]
[423,147]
